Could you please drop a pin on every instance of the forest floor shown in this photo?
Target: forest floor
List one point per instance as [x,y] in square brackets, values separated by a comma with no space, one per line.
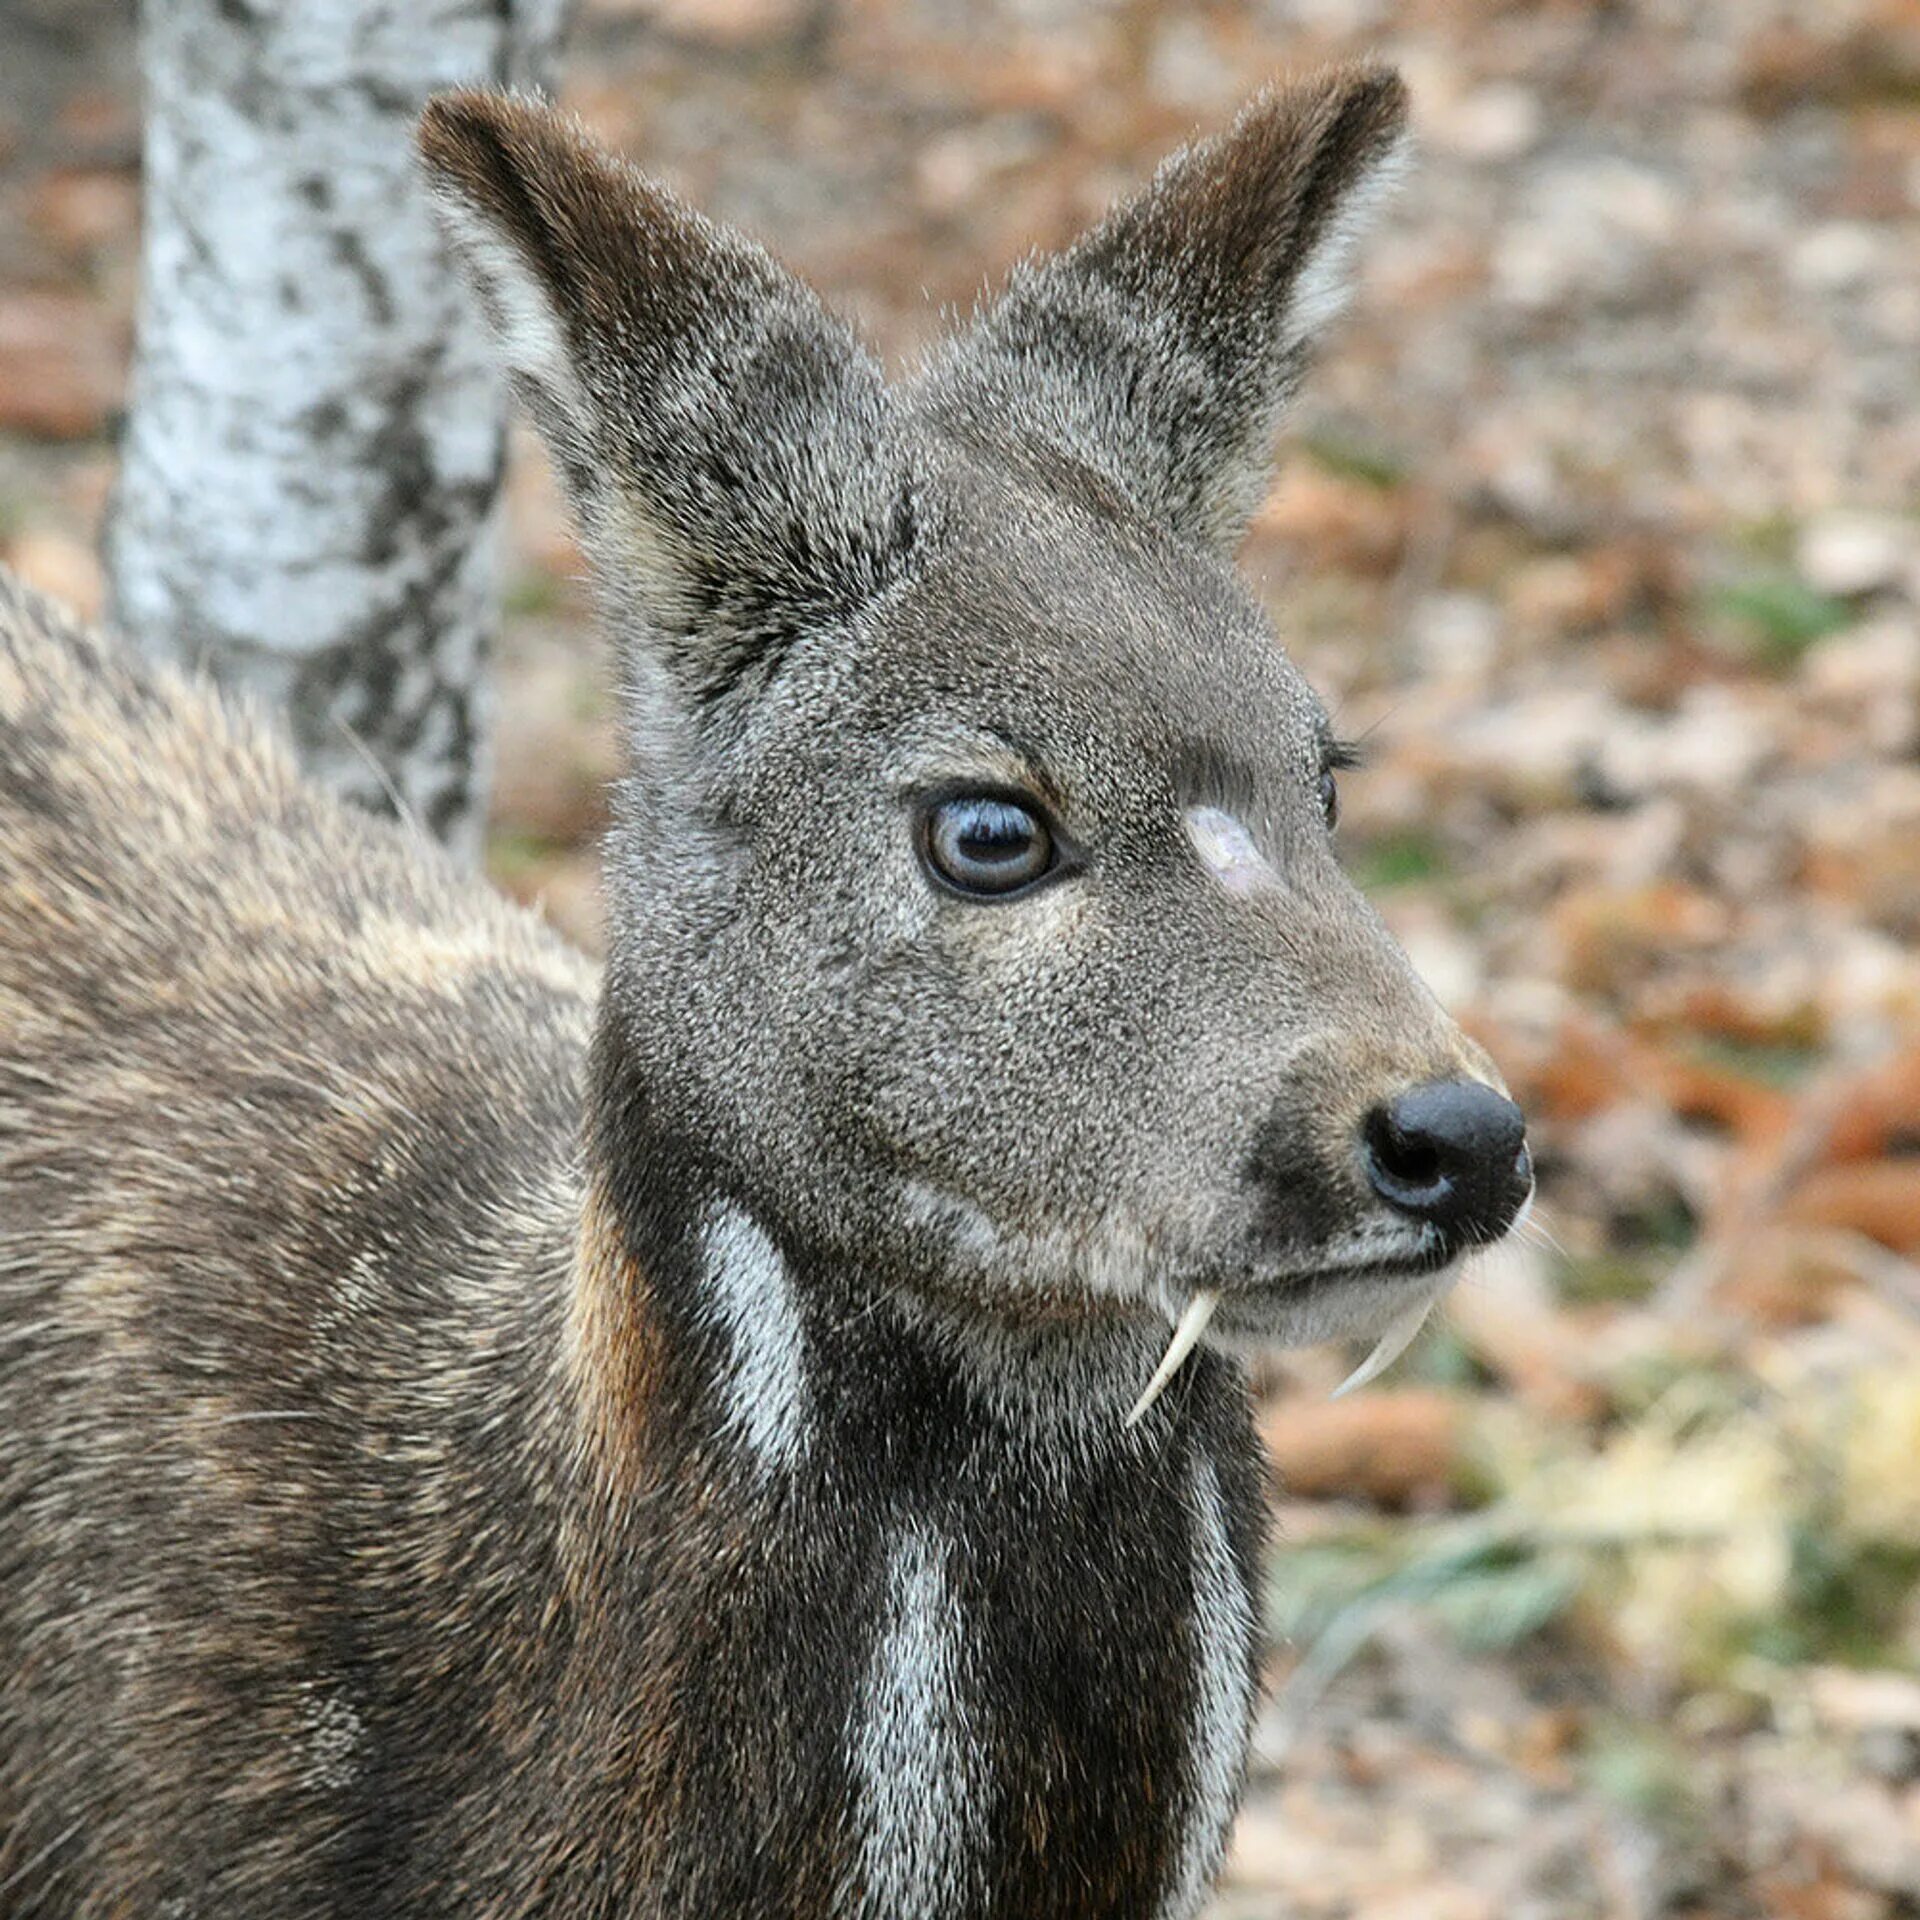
[1601,528]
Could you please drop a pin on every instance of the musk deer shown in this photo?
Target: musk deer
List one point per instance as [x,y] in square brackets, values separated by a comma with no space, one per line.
[483,1442]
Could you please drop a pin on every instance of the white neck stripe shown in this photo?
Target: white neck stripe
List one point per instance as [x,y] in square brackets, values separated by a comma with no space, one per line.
[764,1394]
[920,1770]
[1223,1703]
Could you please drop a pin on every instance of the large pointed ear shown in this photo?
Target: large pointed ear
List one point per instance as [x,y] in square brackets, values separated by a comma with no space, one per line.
[1161,348]
[731,451]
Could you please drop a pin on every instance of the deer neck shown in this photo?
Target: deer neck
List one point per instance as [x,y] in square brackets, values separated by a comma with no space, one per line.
[930,1596]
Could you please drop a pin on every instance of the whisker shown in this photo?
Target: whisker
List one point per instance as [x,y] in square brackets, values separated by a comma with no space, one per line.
[1543,1235]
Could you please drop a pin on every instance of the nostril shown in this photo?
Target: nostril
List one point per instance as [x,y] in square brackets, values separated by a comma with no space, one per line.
[1405,1164]
[1452,1153]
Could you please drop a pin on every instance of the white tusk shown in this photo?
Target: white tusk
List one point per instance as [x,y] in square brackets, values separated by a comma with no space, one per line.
[1387,1349]
[1186,1336]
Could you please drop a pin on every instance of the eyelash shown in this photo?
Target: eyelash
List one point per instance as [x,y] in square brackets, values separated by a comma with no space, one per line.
[1342,755]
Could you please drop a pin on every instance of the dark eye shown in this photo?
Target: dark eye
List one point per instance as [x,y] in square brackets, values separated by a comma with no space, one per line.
[982,845]
[1330,798]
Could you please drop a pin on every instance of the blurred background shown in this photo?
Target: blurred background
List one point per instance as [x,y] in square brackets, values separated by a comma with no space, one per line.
[1600,524]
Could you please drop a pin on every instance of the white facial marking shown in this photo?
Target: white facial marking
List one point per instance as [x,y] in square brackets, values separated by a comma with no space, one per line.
[1228,852]
[764,1388]
[920,1772]
[1223,1700]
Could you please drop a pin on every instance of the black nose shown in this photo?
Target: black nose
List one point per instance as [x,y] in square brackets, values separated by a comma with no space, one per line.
[1454,1153]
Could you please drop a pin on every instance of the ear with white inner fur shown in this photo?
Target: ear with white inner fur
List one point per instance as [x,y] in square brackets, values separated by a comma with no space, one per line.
[729,447]
[1160,348]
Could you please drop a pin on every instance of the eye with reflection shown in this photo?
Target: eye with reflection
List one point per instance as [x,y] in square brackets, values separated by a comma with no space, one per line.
[988,846]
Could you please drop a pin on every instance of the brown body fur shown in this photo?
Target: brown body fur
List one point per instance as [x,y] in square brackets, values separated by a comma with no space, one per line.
[265,1063]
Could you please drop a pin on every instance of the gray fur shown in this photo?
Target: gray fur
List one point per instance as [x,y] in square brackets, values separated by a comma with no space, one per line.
[1024,543]
[1159,350]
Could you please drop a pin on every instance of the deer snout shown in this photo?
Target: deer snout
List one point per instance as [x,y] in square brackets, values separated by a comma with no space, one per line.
[1453,1155]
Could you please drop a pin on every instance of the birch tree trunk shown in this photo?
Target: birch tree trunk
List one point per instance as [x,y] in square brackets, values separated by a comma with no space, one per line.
[315,435]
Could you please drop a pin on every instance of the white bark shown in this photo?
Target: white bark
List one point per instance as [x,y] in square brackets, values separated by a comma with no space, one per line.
[314,442]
